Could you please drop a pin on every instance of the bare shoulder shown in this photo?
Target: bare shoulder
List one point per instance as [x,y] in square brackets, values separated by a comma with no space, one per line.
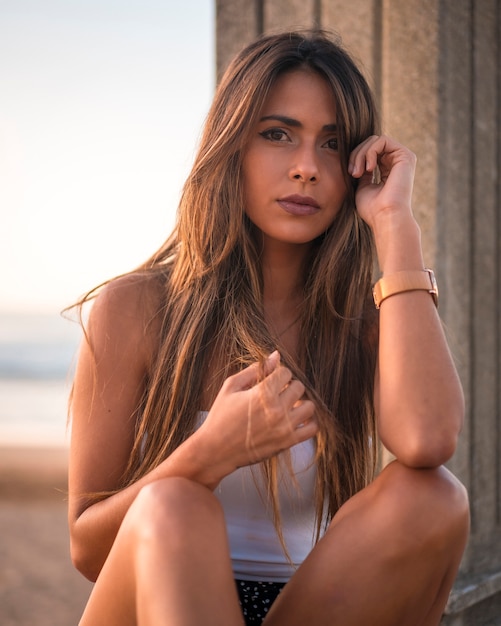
[109,384]
[126,312]
[132,296]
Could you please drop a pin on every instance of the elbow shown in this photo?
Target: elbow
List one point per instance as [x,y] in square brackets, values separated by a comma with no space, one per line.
[83,561]
[429,445]
[424,453]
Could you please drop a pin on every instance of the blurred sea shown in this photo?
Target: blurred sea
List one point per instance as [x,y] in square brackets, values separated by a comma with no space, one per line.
[37,355]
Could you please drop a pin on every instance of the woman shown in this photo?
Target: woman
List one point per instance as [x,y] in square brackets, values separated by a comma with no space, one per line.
[231,392]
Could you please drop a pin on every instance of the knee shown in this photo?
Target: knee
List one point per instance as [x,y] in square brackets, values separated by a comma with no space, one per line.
[172,507]
[431,490]
[431,505]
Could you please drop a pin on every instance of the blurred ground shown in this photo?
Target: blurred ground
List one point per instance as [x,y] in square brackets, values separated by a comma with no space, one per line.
[38,584]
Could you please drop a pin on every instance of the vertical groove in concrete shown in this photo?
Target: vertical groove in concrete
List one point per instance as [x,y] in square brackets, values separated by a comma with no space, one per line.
[473,490]
[317,14]
[484,246]
[497,264]
[453,180]
[377,47]
[260,16]
[472,395]
[237,23]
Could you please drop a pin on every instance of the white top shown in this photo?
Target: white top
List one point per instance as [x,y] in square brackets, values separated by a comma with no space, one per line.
[255,548]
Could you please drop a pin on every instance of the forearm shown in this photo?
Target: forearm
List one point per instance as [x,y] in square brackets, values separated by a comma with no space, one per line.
[420,398]
[94,530]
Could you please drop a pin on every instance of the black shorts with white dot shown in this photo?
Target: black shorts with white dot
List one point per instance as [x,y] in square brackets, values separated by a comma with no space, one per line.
[256,599]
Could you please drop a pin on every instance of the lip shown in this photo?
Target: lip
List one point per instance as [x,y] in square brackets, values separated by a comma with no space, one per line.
[299,205]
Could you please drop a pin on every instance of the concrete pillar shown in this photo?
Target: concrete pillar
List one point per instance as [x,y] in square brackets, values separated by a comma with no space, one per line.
[435,66]
[469,238]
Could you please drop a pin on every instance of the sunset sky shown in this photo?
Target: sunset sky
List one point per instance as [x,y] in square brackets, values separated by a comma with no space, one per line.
[101,105]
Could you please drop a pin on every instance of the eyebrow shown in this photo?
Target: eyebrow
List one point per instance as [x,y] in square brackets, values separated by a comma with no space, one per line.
[289,121]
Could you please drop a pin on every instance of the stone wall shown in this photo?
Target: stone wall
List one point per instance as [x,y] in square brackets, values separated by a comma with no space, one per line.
[435,66]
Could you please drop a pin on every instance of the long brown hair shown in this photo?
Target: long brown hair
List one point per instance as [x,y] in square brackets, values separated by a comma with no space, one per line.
[211,282]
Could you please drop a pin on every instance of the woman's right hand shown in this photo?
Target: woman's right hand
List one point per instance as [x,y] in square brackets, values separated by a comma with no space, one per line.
[258,413]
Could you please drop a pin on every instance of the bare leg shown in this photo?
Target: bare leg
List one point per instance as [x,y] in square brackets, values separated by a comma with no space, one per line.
[169,565]
[389,557]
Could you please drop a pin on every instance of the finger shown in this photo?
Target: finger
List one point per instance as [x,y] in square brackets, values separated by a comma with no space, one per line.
[302,413]
[293,392]
[254,373]
[304,430]
[271,362]
[277,381]
[371,158]
[357,161]
[245,379]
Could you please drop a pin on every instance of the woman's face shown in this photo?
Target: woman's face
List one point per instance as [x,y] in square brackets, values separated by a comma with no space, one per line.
[293,181]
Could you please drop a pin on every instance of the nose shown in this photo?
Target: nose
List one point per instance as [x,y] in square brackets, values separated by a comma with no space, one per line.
[304,168]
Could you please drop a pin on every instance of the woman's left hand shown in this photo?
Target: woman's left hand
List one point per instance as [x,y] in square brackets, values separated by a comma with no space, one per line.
[395,164]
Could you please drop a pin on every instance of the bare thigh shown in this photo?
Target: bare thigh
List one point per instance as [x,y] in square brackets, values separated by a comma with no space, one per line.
[169,565]
[388,558]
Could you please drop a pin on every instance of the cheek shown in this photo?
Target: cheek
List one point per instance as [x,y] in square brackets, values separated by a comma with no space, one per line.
[254,176]
[341,185]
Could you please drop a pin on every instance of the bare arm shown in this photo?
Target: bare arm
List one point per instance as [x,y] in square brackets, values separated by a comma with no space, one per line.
[419,400]
[109,383]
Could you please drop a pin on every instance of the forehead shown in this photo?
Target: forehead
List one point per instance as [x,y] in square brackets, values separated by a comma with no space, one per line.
[304,92]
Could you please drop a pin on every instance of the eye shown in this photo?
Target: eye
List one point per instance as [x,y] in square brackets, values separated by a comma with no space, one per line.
[332,144]
[274,134]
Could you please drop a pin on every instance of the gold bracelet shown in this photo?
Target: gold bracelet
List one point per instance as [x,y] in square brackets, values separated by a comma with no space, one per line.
[411,280]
